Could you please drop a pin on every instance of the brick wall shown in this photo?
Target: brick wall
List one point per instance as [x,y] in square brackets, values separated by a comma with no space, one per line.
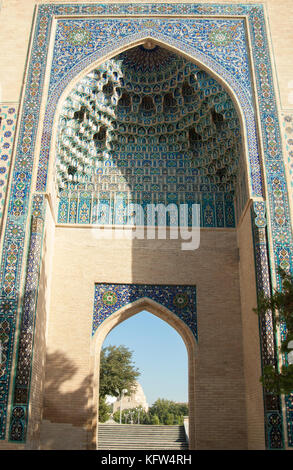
[80,260]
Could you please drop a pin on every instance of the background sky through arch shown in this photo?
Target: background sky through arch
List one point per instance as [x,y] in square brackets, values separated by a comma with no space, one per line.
[158,352]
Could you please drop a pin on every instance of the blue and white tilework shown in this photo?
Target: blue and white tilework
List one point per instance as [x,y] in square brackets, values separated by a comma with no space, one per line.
[272,403]
[180,300]
[19,411]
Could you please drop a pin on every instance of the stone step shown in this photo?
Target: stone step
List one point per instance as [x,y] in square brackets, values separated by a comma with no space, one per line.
[140,426]
[144,437]
[153,443]
[133,447]
[168,436]
[140,432]
[141,445]
[118,434]
[138,435]
[108,440]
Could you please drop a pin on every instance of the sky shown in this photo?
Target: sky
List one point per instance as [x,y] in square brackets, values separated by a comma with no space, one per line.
[158,352]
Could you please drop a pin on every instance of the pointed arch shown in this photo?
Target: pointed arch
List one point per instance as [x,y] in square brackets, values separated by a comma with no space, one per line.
[120,316]
[243,106]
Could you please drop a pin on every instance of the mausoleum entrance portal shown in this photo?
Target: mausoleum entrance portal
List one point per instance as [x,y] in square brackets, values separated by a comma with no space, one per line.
[133,120]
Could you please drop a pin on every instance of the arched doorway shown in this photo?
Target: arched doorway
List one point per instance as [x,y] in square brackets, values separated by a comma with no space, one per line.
[169,317]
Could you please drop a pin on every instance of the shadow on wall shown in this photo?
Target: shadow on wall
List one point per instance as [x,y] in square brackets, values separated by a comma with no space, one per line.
[69,411]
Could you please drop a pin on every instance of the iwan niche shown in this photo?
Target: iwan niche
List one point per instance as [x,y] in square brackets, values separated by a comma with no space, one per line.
[148,126]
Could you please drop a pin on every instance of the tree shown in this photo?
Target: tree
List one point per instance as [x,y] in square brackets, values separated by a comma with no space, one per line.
[117,372]
[155,420]
[281,303]
[169,420]
[168,412]
[104,410]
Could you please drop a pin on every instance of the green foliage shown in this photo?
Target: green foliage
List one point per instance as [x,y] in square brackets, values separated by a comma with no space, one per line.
[169,419]
[117,372]
[281,303]
[278,382]
[155,420]
[104,410]
[168,412]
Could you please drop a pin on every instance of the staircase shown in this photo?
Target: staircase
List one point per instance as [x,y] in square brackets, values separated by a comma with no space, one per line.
[141,437]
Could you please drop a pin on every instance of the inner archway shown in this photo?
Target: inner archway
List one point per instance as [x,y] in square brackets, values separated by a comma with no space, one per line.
[173,320]
[160,394]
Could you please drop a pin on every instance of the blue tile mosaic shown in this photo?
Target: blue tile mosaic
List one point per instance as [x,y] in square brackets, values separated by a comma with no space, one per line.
[272,403]
[180,300]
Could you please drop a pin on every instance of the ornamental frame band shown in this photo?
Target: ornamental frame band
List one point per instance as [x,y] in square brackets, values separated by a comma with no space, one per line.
[33,157]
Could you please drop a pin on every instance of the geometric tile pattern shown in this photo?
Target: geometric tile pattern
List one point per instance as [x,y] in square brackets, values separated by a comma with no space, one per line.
[289,418]
[180,300]
[75,42]
[278,203]
[148,127]
[272,404]
[8,116]
[22,378]
[152,23]
[107,208]
[284,256]
[287,125]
